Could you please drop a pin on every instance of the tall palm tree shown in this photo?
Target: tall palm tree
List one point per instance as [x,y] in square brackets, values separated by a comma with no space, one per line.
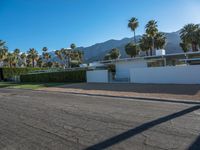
[3,51]
[59,55]
[23,59]
[67,56]
[16,55]
[10,59]
[33,55]
[189,34]
[133,25]
[151,30]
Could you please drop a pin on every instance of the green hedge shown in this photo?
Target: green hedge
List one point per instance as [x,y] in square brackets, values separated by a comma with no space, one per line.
[67,76]
[9,73]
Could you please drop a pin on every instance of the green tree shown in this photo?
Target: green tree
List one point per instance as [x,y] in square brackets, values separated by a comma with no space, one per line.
[132,49]
[10,59]
[33,55]
[66,56]
[3,51]
[133,25]
[73,46]
[44,49]
[46,55]
[39,62]
[113,54]
[152,30]
[185,47]
[189,34]
[107,57]
[160,40]
[23,59]
[16,54]
[145,44]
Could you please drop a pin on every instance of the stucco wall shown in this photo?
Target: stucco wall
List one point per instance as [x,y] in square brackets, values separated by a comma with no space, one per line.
[97,76]
[123,67]
[176,75]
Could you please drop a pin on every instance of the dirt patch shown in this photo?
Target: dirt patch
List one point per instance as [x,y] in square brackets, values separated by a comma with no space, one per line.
[160,91]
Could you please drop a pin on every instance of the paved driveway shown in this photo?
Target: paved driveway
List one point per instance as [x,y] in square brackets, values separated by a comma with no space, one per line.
[58,121]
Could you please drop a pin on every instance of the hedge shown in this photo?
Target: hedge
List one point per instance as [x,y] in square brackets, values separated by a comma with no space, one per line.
[67,76]
[9,73]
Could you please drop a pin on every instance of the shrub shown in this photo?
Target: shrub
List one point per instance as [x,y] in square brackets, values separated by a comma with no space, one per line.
[66,76]
[9,73]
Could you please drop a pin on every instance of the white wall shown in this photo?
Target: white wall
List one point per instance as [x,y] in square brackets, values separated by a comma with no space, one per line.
[176,75]
[97,76]
[123,67]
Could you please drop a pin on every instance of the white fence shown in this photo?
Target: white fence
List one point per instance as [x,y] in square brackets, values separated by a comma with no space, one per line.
[174,75]
[97,76]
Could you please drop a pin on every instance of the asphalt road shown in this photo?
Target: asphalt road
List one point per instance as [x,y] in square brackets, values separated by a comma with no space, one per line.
[57,121]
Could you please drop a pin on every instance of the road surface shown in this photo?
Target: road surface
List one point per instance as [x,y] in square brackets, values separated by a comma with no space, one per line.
[57,121]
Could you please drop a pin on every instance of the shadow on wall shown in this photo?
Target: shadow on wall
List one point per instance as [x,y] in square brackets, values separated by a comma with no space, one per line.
[139,88]
[133,132]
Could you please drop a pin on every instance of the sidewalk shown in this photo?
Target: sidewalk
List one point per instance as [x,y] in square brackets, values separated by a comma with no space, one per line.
[157,91]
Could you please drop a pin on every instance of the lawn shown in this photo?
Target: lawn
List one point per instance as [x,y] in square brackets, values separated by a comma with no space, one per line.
[32,86]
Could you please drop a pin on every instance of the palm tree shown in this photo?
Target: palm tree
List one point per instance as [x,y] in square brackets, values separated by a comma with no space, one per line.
[16,55]
[145,44]
[133,24]
[72,46]
[10,59]
[185,47]
[33,55]
[39,62]
[23,59]
[67,56]
[189,34]
[46,55]
[44,49]
[160,40]
[151,30]
[58,54]
[132,49]
[3,51]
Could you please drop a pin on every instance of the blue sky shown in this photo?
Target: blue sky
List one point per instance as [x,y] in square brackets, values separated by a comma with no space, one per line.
[57,23]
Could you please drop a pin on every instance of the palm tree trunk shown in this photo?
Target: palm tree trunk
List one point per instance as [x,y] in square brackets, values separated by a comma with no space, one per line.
[153,46]
[33,63]
[194,47]
[151,51]
[134,37]
[147,53]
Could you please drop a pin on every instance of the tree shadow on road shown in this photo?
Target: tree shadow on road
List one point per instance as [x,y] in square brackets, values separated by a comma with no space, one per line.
[133,132]
[195,145]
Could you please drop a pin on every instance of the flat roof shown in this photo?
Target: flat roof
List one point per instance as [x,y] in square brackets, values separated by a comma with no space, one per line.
[147,57]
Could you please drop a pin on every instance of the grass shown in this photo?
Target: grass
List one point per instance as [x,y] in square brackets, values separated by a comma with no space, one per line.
[32,86]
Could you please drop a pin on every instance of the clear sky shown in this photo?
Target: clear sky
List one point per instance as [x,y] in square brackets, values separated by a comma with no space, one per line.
[57,23]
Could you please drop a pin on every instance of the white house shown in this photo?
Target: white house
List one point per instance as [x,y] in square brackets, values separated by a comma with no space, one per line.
[183,68]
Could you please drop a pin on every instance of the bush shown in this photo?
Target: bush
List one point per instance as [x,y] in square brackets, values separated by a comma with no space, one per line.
[67,76]
[9,73]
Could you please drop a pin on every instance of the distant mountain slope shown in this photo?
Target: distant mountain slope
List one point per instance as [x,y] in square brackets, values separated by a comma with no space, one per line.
[98,51]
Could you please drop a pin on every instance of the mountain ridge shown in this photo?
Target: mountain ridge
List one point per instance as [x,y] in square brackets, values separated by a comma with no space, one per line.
[99,50]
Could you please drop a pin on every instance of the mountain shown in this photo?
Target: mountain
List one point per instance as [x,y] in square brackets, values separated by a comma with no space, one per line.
[98,51]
